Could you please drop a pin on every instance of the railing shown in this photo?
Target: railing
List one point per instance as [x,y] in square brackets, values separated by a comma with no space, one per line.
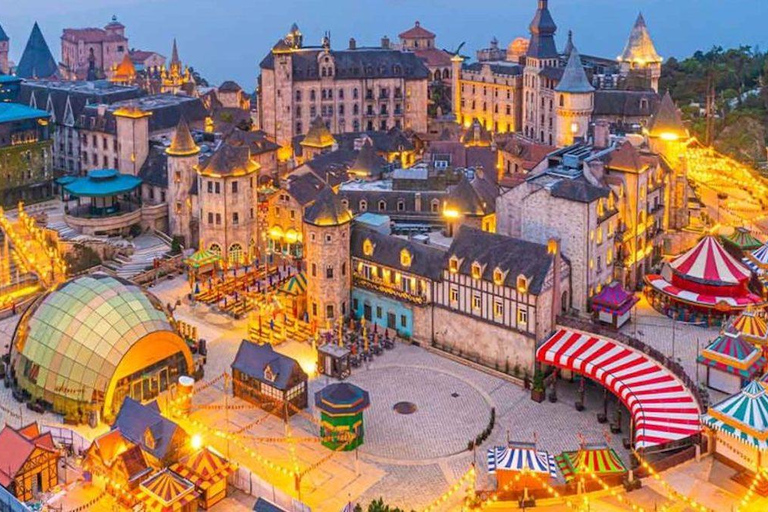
[379,285]
[672,365]
[85,211]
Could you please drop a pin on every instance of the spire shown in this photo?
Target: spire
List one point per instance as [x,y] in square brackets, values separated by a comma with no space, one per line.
[37,61]
[667,123]
[125,71]
[543,28]
[639,47]
[182,144]
[574,78]
[568,45]
[175,55]
[367,164]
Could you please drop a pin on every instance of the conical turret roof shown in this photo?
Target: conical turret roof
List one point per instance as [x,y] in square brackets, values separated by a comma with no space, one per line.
[574,78]
[327,210]
[3,35]
[175,54]
[37,61]
[639,47]
[367,163]
[125,70]
[667,120]
[182,144]
[318,135]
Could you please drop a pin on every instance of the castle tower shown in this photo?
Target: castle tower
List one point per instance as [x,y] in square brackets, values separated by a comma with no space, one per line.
[5,43]
[456,62]
[318,140]
[666,132]
[327,228]
[133,138]
[542,53]
[574,97]
[183,158]
[639,57]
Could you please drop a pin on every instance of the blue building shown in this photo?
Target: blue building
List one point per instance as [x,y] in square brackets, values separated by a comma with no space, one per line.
[10,86]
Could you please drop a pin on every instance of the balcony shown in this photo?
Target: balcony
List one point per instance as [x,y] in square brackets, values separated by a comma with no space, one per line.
[91,220]
[380,286]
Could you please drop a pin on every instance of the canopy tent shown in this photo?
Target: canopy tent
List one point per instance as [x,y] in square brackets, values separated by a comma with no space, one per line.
[730,353]
[704,300]
[743,416]
[757,260]
[752,327]
[599,459]
[662,408]
[742,239]
[613,305]
[208,472]
[296,285]
[166,492]
[519,458]
[201,258]
[708,263]
[102,183]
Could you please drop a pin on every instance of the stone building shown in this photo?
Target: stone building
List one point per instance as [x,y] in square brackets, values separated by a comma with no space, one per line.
[490,92]
[92,53]
[639,58]
[327,258]
[5,44]
[26,172]
[352,90]
[422,42]
[183,157]
[67,104]
[575,102]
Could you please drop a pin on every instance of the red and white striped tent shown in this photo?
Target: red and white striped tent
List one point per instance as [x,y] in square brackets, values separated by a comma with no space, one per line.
[708,262]
[663,409]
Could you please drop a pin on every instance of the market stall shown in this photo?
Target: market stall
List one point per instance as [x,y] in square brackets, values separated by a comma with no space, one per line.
[731,361]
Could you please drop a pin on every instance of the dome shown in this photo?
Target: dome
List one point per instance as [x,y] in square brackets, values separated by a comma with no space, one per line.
[78,341]
[517,48]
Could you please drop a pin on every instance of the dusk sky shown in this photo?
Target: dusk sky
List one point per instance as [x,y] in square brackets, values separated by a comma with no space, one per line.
[225,39]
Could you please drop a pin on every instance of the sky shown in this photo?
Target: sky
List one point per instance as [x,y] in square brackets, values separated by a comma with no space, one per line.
[226,39]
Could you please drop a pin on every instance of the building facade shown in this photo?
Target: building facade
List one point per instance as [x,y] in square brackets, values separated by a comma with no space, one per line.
[352,90]
[92,53]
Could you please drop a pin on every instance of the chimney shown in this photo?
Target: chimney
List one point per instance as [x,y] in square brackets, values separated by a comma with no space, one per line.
[385,42]
[602,134]
[553,248]
[352,43]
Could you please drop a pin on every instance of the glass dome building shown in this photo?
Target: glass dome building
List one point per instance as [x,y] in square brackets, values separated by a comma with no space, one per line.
[81,348]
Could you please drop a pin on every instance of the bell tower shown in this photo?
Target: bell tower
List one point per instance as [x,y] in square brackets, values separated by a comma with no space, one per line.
[574,100]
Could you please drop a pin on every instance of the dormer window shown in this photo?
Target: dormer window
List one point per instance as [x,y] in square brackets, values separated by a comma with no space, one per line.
[368,247]
[498,277]
[477,270]
[149,439]
[269,374]
[453,264]
[522,284]
[405,258]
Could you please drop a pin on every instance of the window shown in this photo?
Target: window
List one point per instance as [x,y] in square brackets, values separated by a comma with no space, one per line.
[329,311]
[378,312]
[234,187]
[476,301]
[405,258]
[522,316]
[453,295]
[498,277]
[498,308]
[403,321]
[329,272]
[344,268]
[210,187]
[217,187]
[367,247]
[477,270]
[235,218]
[328,238]
[210,217]
[363,205]
[314,270]
[382,205]
[453,264]
[435,205]
[400,205]
[218,219]
[522,284]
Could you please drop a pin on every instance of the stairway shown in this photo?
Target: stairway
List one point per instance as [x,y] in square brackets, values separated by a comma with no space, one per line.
[148,247]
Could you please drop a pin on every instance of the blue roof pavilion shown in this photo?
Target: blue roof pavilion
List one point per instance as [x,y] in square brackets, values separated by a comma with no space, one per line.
[102,183]
[12,112]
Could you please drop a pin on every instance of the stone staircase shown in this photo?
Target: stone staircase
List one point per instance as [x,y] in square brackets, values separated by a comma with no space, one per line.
[147,248]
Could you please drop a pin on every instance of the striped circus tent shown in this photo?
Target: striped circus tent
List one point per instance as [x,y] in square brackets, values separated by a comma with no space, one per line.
[742,417]
[757,260]
[752,327]
[166,492]
[599,459]
[519,458]
[708,262]
[743,239]
[296,285]
[204,468]
[731,354]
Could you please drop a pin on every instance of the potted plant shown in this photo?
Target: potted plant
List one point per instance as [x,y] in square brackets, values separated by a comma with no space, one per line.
[526,379]
[580,397]
[537,390]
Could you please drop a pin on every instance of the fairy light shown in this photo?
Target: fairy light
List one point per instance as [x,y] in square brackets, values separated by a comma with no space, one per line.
[439,503]
[760,475]
[695,505]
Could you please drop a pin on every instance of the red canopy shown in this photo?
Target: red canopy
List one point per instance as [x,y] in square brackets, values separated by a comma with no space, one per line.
[708,262]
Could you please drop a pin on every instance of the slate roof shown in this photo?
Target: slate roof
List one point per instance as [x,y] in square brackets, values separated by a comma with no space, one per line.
[357,64]
[574,79]
[37,60]
[496,68]
[167,110]
[579,190]
[434,57]
[230,86]
[332,167]
[134,419]
[391,199]
[476,197]
[154,170]
[511,255]
[367,163]
[182,143]
[625,158]
[639,46]
[667,119]
[542,28]
[3,35]
[305,188]
[318,135]
[615,102]
[253,359]
[327,210]
[390,141]
[553,73]
[426,260]
[232,158]
[342,398]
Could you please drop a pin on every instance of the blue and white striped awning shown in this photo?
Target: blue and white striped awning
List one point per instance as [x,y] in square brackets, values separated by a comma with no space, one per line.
[518,459]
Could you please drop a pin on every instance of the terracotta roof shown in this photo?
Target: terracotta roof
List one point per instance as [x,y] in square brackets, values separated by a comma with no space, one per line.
[433,56]
[125,70]
[416,32]
[16,448]
[90,35]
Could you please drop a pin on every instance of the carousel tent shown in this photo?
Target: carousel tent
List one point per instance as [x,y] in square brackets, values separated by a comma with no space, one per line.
[740,423]
[663,409]
[166,492]
[613,304]
[296,285]
[208,471]
[599,459]
[731,361]
[752,327]
[757,260]
[519,458]
[707,277]
[743,240]
[201,258]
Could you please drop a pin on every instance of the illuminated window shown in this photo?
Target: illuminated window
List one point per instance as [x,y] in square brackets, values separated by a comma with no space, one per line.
[522,284]
[453,295]
[498,308]
[477,270]
[367,247]
[476,301]
[453,264]
[522,317]
[600,235]
[498,277]
[405,258]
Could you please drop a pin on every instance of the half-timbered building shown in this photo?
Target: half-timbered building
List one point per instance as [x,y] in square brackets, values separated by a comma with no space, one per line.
[29,461]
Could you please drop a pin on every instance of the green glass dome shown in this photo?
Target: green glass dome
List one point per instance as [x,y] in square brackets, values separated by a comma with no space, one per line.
[70,343]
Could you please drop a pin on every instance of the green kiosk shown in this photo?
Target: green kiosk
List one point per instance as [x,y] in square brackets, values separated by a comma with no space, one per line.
[341,408]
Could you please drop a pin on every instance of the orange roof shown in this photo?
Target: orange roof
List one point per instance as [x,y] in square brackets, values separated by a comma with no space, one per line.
[16,448]
[125,70]
[204,468]
[433,56]
[166,491]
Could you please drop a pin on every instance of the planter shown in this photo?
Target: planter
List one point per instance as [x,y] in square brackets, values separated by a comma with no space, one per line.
[579,406]
[537,395]
[553,397]
[602,418]
[615,428]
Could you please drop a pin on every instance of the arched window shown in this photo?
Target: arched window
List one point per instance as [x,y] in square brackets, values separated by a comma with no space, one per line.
[498,276]
[363,205]
[435,206]
[453,264]
[446,74]
[562,100]
[215,248]
[405,258]
[367,247]
[345,203]
[235,254]
[382,205]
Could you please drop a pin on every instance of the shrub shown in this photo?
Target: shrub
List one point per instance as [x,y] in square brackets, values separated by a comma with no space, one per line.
[81,258]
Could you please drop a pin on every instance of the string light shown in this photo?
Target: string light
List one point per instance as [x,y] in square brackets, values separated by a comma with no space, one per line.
[468,477]
[760,475]
[667,487]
